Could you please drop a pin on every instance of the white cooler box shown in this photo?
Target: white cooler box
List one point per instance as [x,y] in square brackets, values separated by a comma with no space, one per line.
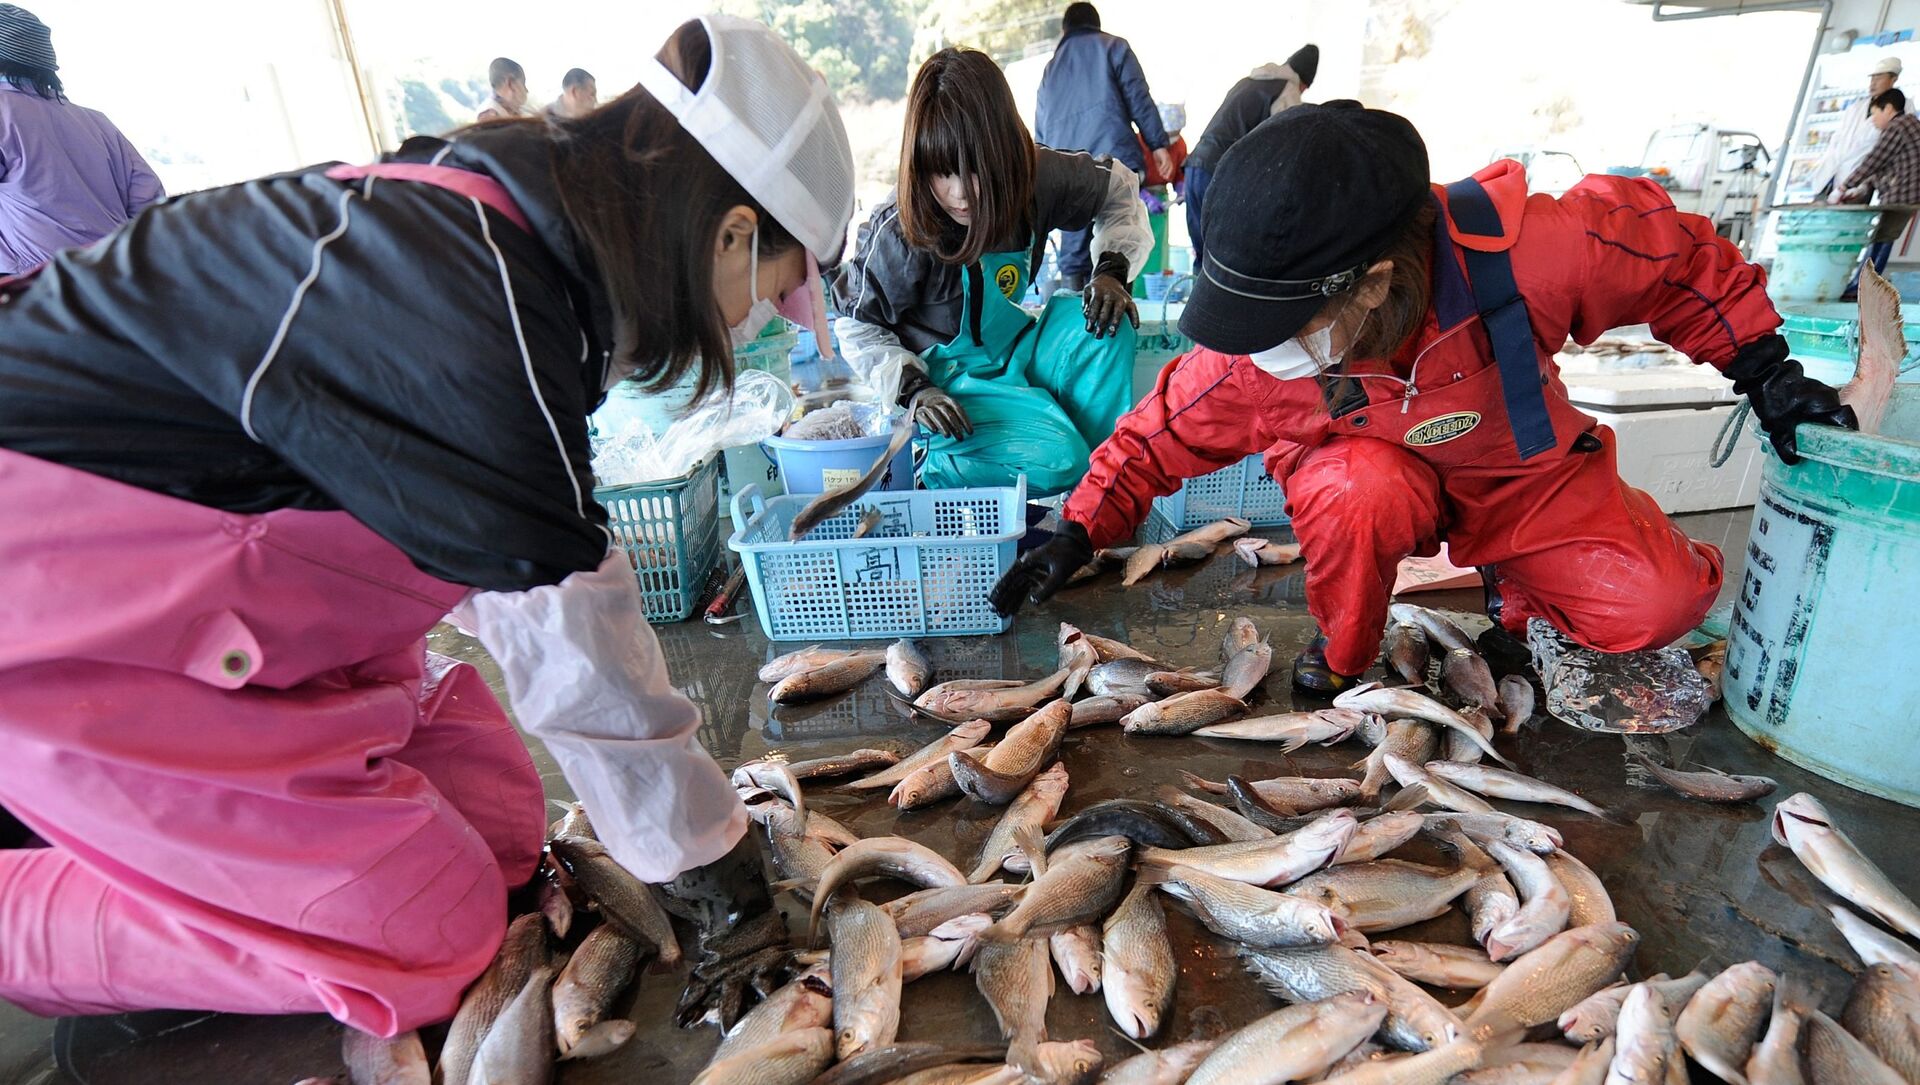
[1666,419]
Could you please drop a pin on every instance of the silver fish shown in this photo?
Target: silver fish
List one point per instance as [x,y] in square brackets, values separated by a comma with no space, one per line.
[624,900]
[929,784]
[870,522]
[1300,794]
[1456,747]
[841,764]
[524,947]
[1467,676]
[1587,897]
[867,972]
[805,1003]
[1123,677]
[792,1058]
[924,911]
[1248,914]
[1723,1020]
[1164,684]
[595,975]
[1017,982]
[1258,552]
[1264,862]
[1461,968]
[1873,945]
[947,946]
[1438,627]
[1109,650]
[1295,729]
[1246,669]
[1167,1066]
[1074,889]
[797,854]
[1137,966]
[957,701]
[1594,1017]
[1182,713]
[1776,1058]
[1378,699]
[777,777]
[1537,837]
[1502,784]
[1427,1068]
[1000,774]
[963,737]
[556,906]
[1711,785]
[1590,1066]
[1077,954]
[1378,835]
[1112,708]
[1414,1020]
[1406,652]
[908,667]
[893,856]
[825,681]
[1835,1057]
[1437,790]
[1037,805]
[1409,740]
[1543,984]
[375,1060]
[1386,894]
[1644,1043]
[1241,634]
[1294,1043]
[1883,1010]
[1229,823]
[1516,701]
[1801,823]
[810,658]
[1077,658]
[518,1049]
[1491,902]
[1544,904]
[1074,1063]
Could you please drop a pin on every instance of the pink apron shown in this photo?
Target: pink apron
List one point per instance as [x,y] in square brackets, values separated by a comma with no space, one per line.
[261,792]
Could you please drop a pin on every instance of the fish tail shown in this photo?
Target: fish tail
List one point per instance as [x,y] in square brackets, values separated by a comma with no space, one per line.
[1200,784]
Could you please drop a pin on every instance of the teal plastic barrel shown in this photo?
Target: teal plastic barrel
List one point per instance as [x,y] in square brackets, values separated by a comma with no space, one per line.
[1819,247]
[1819,656]
[1159,341]
[1825,338]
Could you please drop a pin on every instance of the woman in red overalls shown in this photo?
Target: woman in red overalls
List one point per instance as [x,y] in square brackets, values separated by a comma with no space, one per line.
[260,440]
[1411,397]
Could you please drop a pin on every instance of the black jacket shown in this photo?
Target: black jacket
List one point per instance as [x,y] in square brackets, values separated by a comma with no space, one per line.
[362,332]
[1246,105]
[909,291]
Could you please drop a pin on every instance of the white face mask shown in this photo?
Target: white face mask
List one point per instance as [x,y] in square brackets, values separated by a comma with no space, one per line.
[763,310]
[1302,356]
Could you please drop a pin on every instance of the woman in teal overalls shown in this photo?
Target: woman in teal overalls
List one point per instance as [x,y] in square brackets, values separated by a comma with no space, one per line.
[939,270]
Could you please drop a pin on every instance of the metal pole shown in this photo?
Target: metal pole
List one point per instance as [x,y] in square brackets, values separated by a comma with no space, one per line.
[369,115]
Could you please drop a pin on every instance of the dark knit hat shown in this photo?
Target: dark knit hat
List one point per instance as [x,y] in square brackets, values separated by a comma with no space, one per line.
[25,40]
[1305,63]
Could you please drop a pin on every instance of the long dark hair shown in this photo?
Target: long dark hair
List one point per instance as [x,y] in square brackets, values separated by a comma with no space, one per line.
[42,81]
[961,121]
[648,200]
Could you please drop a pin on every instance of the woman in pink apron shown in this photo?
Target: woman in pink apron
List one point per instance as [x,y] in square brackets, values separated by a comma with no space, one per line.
[259,441]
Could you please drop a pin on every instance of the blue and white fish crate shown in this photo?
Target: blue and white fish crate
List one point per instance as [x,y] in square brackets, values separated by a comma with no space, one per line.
[1243,489]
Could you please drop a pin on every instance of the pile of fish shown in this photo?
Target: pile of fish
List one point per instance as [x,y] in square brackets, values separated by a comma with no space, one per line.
[1136,563]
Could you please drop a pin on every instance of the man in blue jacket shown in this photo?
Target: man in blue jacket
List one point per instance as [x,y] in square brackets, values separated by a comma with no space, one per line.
[1091,98]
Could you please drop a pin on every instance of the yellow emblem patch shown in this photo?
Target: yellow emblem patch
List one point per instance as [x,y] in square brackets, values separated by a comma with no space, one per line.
[1008,280]
[1438,431]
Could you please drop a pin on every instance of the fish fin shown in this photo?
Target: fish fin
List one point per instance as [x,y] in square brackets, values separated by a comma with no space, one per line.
[1199,784]
[1408,798]
[1027,839]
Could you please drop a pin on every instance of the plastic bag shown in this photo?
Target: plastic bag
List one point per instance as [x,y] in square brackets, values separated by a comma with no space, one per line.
[843,420]
[631,453]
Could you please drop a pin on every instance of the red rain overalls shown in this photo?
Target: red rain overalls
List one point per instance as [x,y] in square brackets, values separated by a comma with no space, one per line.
[260,791]
[1467,435]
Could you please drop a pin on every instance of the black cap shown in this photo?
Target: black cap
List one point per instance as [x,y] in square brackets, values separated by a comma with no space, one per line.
[1295,213]
[1305,62]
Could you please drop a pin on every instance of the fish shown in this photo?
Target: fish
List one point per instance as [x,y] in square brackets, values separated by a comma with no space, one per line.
[1516,701]
[804,1003]
[376,1060]
[1414,1020]
[1258,552]
[1141,563]
[1834,1056]
[896,1061]
[1776,1058]
[573,821]
[1802,824]
[1123,677]
[842,764]
[1077,658]
[1192,546]
[1241,634]
[870,522]
[1035,806]
[1075,1063]
[1385,894]
[1438,627]
[1589,1067]
[1077,954]
[524,947]
[1437,964]
[1093,711]
[1136,964]
[965,736]
[1427,1068]
[1380,700]
[1246,670]
[1151,824]
[1229,824]
[1410,740]
[556,906]
[1000,774]
[1457,747]
[1296,793]
[1883,348]
[1074,889]
[777,777]
[1465,674]
[1593,1018]
[1405,650]
[1490,902]
[1107,650]
[825,681]
[792,1058]
[1883,1010]
[1167,1066]
[867,971]
[1182,713]
[1723,1020]
[810,658]
[797,854]
[1541,985]
[929,784]
[908,667]
[1712,785]
[1112,557]
[1521,1064]
[1873,945]
[518,1049]
[1587,898]
[1293,1043]
[1295,729]
[1264,862]
[833,502]
[892,856]
[1437,790]
[1017,981]
[1537,837]
[624,900]
[922,912]
[1644,1043]
[1163,684]
[1712,665]
[1246,913]
[595,975]
[1544,904]
[957,701]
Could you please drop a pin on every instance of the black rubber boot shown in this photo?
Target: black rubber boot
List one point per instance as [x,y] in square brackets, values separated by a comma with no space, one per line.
[1311,673]
[1504,652]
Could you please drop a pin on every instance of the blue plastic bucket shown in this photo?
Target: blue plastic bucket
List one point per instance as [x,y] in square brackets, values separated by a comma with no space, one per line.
[814,467]
[1818,654]
[1826,340]
[1819,247]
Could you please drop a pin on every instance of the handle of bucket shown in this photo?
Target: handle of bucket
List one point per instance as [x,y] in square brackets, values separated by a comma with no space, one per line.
[1170,340]
[749,494]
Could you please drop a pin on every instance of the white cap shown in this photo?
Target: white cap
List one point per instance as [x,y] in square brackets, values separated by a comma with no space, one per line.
[1886,66]
[770,122]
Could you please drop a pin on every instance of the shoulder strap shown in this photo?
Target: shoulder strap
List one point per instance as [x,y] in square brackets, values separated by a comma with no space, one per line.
[474,186]
[1503,312]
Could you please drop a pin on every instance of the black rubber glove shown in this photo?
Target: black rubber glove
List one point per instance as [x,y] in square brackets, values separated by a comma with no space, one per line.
[1782,396]
[1107,298]
[932,407]
[1043,570]
[743,951]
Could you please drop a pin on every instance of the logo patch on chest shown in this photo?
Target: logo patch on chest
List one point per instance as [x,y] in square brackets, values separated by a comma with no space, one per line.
[1007,279]
[1438,431]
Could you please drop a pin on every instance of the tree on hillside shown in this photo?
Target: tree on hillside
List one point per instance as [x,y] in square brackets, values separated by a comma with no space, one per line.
[1007,30]
[861,46]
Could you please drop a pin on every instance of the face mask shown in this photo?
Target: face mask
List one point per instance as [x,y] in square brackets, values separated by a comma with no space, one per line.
[764,309]
[1300,356]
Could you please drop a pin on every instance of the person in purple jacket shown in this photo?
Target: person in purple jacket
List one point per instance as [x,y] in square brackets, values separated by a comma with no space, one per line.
[67,175]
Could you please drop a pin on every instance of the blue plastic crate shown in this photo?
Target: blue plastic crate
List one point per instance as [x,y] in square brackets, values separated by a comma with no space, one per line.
[1244,490]
[925,572]
[671,533]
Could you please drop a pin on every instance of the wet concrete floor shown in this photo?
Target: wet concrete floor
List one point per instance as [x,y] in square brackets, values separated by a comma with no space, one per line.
[1701,883]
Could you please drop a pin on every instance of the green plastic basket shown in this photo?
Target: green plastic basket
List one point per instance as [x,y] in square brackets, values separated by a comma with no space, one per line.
[671,533]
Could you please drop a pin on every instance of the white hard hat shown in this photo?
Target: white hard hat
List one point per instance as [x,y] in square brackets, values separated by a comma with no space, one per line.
[770,122]
[1886,66]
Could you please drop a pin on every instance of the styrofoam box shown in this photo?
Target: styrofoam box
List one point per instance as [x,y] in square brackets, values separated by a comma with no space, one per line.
[1666,419]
